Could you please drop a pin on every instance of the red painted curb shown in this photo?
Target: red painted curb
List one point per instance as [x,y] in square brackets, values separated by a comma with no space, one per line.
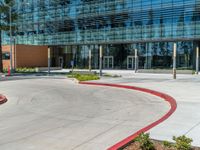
[166,97]
[3,99]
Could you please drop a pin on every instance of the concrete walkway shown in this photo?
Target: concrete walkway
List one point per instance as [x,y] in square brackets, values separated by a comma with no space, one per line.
[57,114]
[186,91]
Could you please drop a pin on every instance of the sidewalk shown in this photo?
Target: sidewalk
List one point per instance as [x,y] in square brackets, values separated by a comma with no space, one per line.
[113,72]
[186,91]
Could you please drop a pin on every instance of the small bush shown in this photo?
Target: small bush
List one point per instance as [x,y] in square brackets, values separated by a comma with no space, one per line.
[83,77]
[145,142]
[25,70]
[22,70]
[167,144]
[182,142]
[5,70]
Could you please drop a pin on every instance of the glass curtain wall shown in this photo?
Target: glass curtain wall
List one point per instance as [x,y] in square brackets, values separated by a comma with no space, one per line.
[152,25]
[67,22]
[185,55]
[154,55]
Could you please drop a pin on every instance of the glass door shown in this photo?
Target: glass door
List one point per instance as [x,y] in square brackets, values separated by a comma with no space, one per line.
[61,62]
[131,62]
[108,62]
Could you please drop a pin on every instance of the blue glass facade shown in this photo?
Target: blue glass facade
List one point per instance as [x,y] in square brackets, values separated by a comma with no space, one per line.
[120,26]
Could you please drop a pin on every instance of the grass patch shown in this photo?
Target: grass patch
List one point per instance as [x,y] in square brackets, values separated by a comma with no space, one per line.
[25,70]
[83,77]
[21,70]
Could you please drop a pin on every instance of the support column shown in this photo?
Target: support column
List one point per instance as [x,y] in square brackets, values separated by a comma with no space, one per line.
[73,57]
[14,53]
[174,60]
[136,60]
[90,60]
[100,60]
[197,60]
[11,58]
[49,60]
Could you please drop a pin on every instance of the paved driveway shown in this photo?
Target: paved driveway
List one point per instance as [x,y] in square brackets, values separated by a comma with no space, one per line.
[186,119]
[57,114]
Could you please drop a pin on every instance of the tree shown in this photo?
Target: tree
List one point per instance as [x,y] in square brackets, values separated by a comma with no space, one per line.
[4,22]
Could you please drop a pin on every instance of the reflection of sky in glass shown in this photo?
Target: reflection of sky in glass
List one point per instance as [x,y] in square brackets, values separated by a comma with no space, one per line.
[104,21]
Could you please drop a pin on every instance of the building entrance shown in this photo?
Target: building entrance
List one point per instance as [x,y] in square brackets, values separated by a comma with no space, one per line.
[131,62]
[61,62]
[108,62]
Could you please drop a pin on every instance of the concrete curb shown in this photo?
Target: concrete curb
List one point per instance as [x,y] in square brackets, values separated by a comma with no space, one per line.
[3,99]
[164,96]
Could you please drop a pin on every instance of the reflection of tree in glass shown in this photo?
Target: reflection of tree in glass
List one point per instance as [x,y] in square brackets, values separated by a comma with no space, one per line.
[162,49]
[154,48]
[4,25]
[165,53]
[61,2]
[185,48]
[180,25]
[150,22]
[169,49]
[162,27]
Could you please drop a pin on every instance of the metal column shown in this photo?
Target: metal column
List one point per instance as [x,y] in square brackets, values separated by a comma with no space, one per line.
[100,60]
[197,60]
[174,61]
[90,60]
[136,60]
[49,60]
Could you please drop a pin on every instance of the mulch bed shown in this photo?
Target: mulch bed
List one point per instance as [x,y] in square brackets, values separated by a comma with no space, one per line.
[158,146]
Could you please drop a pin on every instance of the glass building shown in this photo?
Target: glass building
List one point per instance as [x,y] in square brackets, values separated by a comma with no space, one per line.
[73,27]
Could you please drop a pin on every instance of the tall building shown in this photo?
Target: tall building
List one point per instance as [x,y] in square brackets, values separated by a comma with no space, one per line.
[73,27]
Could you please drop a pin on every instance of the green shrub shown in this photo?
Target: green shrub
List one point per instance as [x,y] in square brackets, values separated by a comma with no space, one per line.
[182,142]
[25,70]
[145,142]
[167,144]
[83,77]
[5,70]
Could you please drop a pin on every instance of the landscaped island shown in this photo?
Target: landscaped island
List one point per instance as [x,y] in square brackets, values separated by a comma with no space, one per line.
[143,142]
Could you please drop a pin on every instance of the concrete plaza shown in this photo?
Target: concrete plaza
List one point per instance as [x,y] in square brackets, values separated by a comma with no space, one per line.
[52,113]
[185,89]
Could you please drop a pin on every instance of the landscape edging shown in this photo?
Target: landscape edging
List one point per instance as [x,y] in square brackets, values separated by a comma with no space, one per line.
[3,99]
[169,99]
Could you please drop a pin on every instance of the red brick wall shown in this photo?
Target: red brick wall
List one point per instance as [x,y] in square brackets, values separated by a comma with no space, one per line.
[31,56]
[27,56]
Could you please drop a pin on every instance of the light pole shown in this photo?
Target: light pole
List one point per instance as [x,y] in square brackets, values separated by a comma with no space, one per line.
[10,21]
[14,53]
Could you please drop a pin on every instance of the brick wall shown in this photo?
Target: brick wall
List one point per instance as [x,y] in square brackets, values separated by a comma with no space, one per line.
[27,56]
[31,56]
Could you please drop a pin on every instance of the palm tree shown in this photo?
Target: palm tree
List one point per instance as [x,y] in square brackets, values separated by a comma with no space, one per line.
[4,22]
